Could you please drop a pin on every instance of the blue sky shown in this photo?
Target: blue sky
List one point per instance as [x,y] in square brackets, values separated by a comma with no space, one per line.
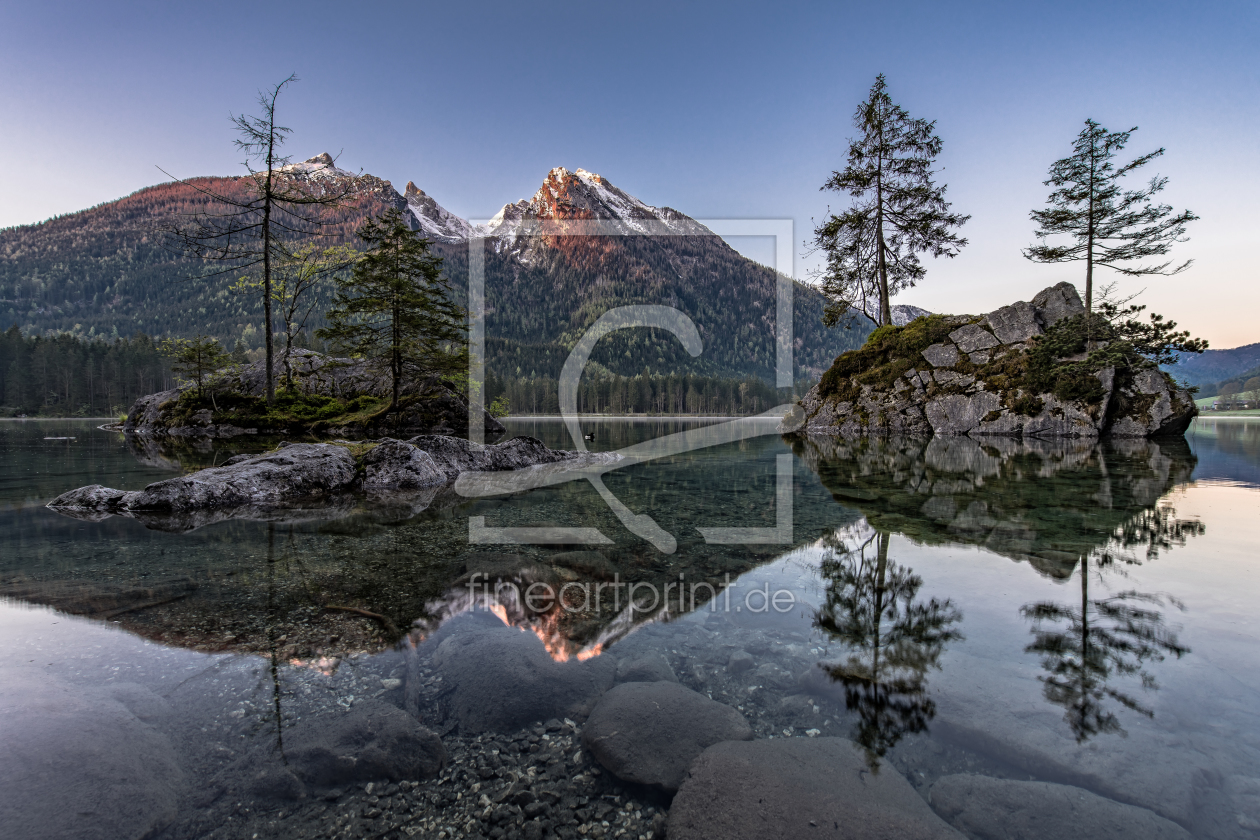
[719,110]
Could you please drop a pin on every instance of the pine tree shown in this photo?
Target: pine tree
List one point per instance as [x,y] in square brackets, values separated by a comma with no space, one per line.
[1108,226]
[249,231]
[898,212]
[396,307]
[195,358]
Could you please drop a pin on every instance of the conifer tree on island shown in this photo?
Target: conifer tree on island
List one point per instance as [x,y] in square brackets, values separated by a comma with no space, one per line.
[252,230]
[1108,226]
[897,212]
[195,358]
[396,307]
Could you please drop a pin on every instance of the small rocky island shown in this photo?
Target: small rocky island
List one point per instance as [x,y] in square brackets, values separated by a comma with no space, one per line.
[326,396]
[1019,371]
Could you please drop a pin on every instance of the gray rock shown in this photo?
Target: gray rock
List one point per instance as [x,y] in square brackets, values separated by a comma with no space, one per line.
[986,808]
[795,788]
[1056,303]
[1015,323]
[92,497]
[973,337]
[78,766]
[740,661]
[372,741]
[502,678]
[980,357]
[394,465]
[455,455]
[957,414]
[651,667]
[941,355]
[649,733]
[1152,406]
[296,471]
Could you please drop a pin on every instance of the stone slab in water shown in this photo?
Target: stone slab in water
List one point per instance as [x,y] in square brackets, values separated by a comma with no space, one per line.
[373,741]
[790,788]
[985,808]
[650,732]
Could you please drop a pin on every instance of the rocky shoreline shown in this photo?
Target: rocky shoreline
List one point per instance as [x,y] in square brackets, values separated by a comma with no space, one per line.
[970,375]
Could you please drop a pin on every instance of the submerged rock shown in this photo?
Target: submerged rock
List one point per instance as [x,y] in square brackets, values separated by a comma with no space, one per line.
[798,787]
[503,678]
[986,375]
[81,767]
[373,741]
[985,808]
[650,732]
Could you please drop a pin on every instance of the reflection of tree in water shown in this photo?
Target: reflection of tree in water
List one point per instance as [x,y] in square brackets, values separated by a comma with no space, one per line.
[1088,646]
[893,641]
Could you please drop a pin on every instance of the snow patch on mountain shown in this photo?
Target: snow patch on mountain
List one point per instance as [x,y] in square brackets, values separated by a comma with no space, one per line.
[433,219]
[320,166]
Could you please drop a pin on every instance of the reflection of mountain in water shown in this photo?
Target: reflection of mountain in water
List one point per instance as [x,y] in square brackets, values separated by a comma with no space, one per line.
[1047,502]
[892,638]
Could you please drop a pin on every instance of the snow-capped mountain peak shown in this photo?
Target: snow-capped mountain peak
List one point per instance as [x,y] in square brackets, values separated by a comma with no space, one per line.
[320,166]
[435,220]
[583,195]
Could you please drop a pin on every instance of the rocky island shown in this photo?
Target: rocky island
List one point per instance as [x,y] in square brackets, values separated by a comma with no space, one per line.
[1024,370]
[327,396]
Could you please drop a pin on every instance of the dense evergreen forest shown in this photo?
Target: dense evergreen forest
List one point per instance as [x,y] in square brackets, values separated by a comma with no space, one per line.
[644,394]
[65,376]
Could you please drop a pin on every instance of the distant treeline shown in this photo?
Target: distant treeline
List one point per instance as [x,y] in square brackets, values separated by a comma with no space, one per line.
[643,394]
[66,376]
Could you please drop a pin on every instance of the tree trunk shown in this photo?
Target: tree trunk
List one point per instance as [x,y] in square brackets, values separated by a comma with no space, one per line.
[885,310]
[266,232]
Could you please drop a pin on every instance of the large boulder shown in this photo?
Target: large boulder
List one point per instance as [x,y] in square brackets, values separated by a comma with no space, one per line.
[81,766]
[650,732]
[792,788]
[974,375]
[502,678]
[985,808]
[393,465]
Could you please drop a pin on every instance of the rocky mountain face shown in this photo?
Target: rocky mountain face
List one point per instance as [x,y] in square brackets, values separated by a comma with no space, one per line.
[989,375]
[108,271]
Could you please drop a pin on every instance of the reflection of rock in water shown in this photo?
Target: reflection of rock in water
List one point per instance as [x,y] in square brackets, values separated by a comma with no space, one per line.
[1045,502]
[893,640]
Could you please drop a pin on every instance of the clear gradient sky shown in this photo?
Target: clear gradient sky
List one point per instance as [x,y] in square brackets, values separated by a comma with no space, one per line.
[720,110]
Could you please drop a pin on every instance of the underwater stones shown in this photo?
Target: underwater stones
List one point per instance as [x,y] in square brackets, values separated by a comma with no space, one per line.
[650,732]
[81,767]
[1014,323]
[503,678]
[973,337]
[740,661]
[985,808]
[650,667]
[798,787]
[394,465]
[941,355]
[1056,303]
[373,741]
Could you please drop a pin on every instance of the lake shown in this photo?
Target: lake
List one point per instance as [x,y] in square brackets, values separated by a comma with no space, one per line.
[1019,621]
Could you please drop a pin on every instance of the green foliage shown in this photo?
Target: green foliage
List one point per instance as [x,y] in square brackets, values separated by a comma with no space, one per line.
[1105,224]
[500,407]
[888,353]
[195,359]
[396,307]
[872,247]
[292,410]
